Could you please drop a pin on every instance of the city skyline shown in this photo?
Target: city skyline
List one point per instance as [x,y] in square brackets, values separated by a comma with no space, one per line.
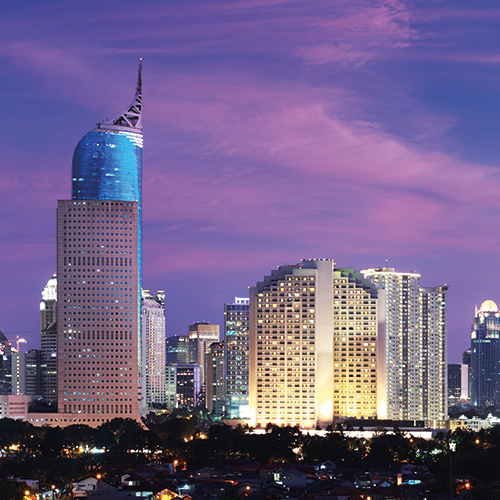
[276,131]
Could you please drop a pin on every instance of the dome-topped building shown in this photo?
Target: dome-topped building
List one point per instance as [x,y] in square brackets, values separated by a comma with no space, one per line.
[488,306]
[485,356]
[107,162]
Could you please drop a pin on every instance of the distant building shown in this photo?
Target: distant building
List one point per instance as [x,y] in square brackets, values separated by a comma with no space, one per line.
[314,327]
[26,373]
[153,348]
[236,344]
[454,382]
[48,342]
[5,365]
[171,386]
[485,356]
[178,349]
[188,378]
[215,394]
[201,336]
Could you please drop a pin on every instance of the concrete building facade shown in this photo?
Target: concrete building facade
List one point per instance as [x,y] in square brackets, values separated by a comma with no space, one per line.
[153,348]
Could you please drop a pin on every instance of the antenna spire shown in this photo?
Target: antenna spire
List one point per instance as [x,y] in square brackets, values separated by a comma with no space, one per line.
[130,117]
[139,80]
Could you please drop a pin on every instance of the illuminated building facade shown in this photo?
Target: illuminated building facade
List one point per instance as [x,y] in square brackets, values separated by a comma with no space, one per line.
[5,365]
[48,342]
[201,336]
[236,343]
[358,373]
[433,327]
[178,349]
[215,394]
[403,342]
[188,379]
[312,331]
[416,359]
[99,275]
[153,348]
[485,356]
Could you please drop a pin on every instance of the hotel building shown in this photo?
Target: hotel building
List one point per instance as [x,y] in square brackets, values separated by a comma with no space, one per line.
[314,339]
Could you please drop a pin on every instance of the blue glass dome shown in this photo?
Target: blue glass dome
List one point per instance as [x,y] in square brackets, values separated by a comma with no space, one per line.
[107,165]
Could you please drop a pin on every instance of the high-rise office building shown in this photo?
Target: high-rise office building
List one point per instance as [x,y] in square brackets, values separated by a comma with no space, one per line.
[178,349]
[215,393]
[171,386]
[201,336]
[99,275]
[485,356]
[236,342]
[5,365]
[153,348]
[48,342]
[188,390]
[26,373]
[314,338]
[454,382]
[416,329]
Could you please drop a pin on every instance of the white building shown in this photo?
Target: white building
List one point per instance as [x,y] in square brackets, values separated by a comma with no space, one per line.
[153,348]
[416,329]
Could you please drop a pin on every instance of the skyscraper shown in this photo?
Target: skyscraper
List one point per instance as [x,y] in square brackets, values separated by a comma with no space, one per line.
[314,334]
[153,348]
[403,342]
[99,275]
[215,395]
[48,342]
[201,335]
[485,356]
[433,327]
[416,330]
[178,349]
[236,331]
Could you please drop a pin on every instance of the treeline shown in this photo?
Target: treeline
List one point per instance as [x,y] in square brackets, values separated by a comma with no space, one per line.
[64,454]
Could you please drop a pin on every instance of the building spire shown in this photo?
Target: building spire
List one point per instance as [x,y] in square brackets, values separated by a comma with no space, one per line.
[130,117]
[139,79]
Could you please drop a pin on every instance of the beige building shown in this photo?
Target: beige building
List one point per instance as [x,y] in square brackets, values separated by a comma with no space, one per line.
[98,310]
[314,337]
[201,336]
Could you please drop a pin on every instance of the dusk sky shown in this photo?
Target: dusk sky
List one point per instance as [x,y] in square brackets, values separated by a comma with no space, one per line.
[274,130]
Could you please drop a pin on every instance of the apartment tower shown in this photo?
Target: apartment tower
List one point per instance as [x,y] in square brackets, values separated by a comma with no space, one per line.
[153,349]
[416,359]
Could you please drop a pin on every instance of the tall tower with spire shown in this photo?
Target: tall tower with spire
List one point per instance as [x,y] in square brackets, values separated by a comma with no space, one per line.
[99,274]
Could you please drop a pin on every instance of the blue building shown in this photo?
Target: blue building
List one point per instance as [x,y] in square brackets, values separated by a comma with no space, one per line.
[485,356]
[236,344]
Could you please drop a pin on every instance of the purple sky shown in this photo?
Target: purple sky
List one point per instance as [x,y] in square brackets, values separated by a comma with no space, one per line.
[274,130]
